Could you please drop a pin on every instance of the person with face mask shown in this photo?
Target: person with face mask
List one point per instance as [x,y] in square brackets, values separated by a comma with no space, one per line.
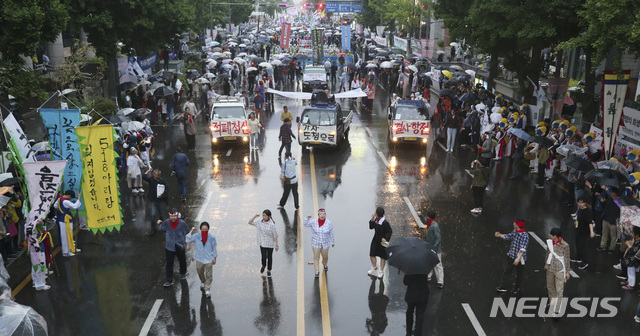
[205,256]
[321,237]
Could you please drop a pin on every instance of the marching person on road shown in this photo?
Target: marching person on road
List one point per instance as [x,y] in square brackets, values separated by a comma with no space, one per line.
[557,265]
[434,237]
[478,185]
[205,256]
[380,240]
[134,171]
[254,131]
[286,136]
[416,297]
[286,114]
[516,257]
[64,205]
[290,181]
[190,128]
[321,237]
[267,239]
[158,195]
[584,232]
[179,164]
[175,246]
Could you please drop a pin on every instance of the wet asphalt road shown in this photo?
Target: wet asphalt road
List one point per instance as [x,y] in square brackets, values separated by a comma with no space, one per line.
[115,284]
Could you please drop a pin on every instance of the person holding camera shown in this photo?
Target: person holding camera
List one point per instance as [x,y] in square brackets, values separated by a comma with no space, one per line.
[478,185]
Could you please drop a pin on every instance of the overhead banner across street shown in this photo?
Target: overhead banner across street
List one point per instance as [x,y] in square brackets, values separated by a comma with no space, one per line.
[100,178]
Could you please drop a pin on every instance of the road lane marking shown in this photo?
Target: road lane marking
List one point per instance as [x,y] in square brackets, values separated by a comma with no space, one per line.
[152,316]
[413,212]
[229,151]
[441,146]
[544,246]
[300,262]
[473,319]
[204,206]
[322,283]
[384,159]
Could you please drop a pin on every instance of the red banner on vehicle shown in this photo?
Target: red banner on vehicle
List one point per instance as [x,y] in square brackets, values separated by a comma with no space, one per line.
[285,34]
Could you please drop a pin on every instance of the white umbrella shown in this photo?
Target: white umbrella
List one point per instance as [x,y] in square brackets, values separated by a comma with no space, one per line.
[202,81]
[276,62]
[11,97]
[252,56]
[227,66]
[454,44]
[242,45]
[413,68]
[126,111]
[575,89]
[386,65]
[371,66]
[85,117]
[145,82]
[429,73]
[216,54]
[67,91]
[471,73]
[227,53]
[242,54]
[209,75]
[440,52]
[264,64]
[233,44]
[249,69]
[132,126]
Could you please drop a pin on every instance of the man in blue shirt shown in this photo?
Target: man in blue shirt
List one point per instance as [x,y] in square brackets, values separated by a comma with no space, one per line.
[517,255]
[206,255]
[179,163]
[176,230]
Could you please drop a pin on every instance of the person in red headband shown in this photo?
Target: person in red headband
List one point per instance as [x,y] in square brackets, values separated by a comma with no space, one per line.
[321,237]
[516,257]
[176,230]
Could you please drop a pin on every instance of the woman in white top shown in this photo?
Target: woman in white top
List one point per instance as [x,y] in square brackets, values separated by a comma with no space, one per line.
[134,172]
[254,130]
[267,238]
[321,237]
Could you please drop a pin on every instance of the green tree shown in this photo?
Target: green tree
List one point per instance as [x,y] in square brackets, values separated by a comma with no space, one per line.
[144,25]
[24,23]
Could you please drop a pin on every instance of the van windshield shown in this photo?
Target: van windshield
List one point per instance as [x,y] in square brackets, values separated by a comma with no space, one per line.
[319,117]
[411,113]
[228,112]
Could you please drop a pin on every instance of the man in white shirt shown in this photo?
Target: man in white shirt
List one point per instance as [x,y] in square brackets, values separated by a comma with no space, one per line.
[191,106]
[64,205]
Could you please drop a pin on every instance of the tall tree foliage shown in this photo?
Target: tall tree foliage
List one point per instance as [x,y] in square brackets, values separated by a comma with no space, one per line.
[24,23]
[515,32]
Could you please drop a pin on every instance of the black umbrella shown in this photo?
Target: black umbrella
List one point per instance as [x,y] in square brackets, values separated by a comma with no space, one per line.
[447,92]
[352,66]
[463,79]
[14,106]
[384,53]
[460,74]
[450,82]
[608,177]
[543,141]
[469,97]
[163,91]
[257,60]
[578,163]
[126,86]
[8,182]
[412,255]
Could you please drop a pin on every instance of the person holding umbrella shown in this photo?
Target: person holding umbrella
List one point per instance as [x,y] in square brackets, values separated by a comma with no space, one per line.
[321,237]
[380,240]
[415,258]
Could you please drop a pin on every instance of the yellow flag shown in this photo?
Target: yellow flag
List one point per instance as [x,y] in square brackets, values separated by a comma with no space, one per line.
[97,122]
[99,177]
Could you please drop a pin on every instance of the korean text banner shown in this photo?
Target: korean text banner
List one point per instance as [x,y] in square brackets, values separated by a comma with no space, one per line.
[317,41]
[43,179]
[100,178]
[19,139]
[60,125]
[285,32]
[346,37]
